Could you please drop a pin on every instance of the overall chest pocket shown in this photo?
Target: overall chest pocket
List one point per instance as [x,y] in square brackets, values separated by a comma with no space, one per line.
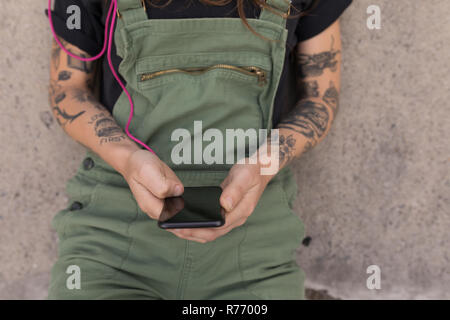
[219,91]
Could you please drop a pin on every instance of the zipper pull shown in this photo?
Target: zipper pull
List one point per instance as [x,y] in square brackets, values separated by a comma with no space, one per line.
[262,79]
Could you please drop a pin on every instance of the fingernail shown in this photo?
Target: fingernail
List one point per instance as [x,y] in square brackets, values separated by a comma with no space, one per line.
[178,190]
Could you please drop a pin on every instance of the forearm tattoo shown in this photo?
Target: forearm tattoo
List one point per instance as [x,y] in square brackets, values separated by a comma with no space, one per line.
[285,145]
[331,97]
[313,65]
[308,118]
[106,128]
[309,89]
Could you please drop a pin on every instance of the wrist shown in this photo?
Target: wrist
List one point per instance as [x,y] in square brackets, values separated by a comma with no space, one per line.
[266,178]
[267,164]
[119,155]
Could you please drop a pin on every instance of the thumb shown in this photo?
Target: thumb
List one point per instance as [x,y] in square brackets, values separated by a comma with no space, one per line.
[234,189]
[161,181]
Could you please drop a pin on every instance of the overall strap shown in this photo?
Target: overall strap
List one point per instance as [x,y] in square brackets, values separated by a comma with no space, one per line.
[131,11]
[282,7]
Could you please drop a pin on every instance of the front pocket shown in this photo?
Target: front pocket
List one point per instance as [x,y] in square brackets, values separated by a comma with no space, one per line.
[219,91]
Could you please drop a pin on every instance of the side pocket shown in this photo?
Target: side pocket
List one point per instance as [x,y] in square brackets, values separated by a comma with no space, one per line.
[266,254]
[80,203]
[288,201]
[98,232]
[79,192]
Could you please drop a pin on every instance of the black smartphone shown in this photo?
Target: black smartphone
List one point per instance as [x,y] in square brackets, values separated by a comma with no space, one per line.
[198,207]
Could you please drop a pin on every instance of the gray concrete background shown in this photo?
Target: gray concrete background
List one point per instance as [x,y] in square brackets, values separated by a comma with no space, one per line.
[376,191]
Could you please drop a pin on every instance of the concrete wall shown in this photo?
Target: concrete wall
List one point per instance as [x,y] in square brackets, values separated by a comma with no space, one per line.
[376,191]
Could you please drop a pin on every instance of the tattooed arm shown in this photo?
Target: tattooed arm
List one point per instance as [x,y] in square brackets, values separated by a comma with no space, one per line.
[88,122]
[77,110]
[318,81]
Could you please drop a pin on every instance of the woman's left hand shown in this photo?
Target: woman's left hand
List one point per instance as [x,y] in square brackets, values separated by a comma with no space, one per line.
[242,189]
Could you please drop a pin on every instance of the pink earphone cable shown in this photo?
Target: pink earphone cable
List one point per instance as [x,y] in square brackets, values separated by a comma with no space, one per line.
[109,39]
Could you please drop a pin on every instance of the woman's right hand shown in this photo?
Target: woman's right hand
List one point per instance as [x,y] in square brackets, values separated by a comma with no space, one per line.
[151,181]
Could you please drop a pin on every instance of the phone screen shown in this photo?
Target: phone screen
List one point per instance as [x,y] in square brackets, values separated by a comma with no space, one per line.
[198,207]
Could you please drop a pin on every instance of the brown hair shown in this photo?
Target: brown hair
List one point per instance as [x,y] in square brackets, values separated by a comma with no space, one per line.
[240,8]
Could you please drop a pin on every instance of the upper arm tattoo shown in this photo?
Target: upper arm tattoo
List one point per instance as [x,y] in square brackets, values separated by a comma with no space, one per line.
[60,97]
[56,96]
[58,93]
[63,117]
[56,51]
[313,65]
[64,75]
[84,66]
[85,96]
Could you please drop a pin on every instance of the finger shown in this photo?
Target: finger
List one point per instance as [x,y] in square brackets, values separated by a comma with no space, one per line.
[179,235]
[148,203]
[235,224]
[171,207]
[209,234]
[161,181]
[242,211]
[235,218]
[203,234]
[233,191]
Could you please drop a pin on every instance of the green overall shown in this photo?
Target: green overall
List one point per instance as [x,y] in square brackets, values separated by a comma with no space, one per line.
[179,71]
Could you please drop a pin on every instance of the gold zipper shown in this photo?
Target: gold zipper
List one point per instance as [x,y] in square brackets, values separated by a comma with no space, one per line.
[250,70]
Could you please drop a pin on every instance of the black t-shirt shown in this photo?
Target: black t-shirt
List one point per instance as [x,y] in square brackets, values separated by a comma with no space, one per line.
[93,16]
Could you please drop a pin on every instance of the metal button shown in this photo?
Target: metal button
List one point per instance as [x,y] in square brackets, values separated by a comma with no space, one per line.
[88,163]
[76,206]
